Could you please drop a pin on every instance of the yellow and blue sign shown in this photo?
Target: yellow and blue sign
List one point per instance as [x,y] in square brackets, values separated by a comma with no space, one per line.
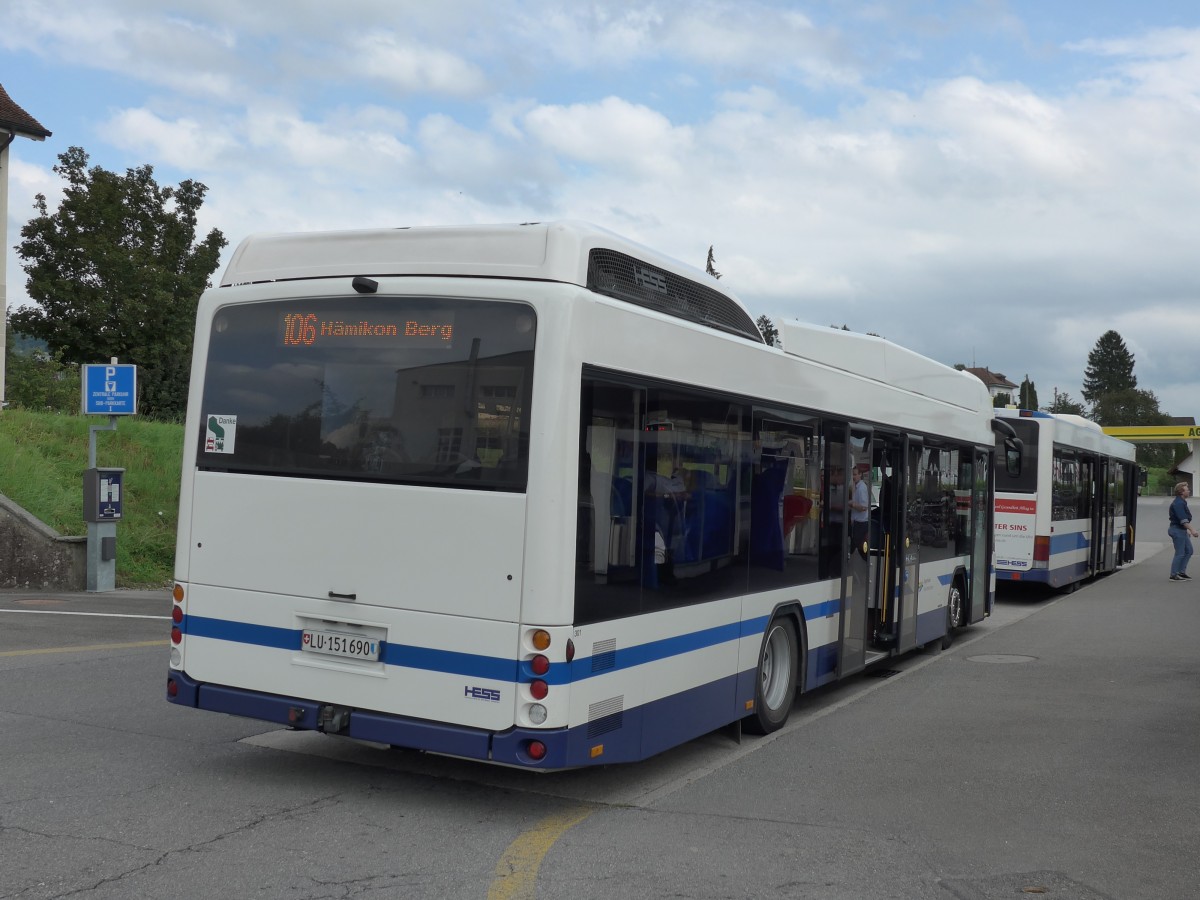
[1154,434]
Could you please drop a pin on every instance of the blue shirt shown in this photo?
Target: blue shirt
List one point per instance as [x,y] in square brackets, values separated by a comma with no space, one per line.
[1179,513]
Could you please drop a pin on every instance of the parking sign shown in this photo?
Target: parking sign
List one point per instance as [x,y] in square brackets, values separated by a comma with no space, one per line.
[109,390]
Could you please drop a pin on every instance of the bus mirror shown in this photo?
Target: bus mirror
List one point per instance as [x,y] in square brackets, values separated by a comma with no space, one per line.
[1012,456]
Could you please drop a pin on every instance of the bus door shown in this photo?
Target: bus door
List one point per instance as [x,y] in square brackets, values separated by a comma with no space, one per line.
[907,543]
[981,536]
[856,573]
[1128,491]
[1103,513]
[883,539]
[887,537]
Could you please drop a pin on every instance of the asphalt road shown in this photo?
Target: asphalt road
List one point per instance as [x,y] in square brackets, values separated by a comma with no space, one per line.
[1051,752]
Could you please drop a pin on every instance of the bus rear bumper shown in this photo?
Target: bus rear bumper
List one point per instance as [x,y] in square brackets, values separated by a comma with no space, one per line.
[509,747]
[1040,576]
[1055,578]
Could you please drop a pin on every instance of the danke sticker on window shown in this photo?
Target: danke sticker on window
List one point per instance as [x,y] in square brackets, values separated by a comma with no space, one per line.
[220,434]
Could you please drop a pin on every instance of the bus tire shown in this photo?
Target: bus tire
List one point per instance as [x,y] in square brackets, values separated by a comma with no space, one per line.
[954,613]
[776,681]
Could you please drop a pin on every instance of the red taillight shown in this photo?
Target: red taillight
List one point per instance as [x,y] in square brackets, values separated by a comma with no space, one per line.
[1041,548]
[540,665]
[176,635]
[536,750]
[177,614]
[570,649]
[538,689]
[172,688]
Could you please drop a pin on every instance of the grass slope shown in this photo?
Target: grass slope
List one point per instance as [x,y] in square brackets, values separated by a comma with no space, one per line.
[42,458]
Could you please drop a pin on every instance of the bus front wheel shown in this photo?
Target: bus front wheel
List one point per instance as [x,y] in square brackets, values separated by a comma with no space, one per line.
[775,688]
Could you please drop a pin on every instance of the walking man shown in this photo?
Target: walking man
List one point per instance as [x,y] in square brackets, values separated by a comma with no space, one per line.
[1181,532]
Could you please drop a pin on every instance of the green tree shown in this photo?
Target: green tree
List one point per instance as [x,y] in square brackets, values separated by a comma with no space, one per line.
[1128,407]
[1063,403]
[1137,407]
[116,272]
[769,332]
[1028,396]
[1109,368]
[37,379]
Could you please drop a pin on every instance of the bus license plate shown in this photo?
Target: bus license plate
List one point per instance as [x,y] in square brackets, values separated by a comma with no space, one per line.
[337,643]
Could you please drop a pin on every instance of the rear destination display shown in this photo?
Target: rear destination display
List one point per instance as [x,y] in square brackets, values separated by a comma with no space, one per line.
[304,329]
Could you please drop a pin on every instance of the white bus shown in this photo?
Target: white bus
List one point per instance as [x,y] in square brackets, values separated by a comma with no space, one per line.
[1070,513]
[540,496]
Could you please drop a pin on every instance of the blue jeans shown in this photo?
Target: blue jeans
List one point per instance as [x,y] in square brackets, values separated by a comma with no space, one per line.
[1183,549]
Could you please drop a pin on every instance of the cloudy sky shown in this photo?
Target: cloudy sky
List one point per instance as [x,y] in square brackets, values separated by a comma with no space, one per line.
[988,182]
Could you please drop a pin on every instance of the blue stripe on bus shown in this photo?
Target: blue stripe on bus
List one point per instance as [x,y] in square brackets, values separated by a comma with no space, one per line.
[679,645]
[1072,540]
[627,658]
[496,668]
[819,610]
[242,632]
[447,661]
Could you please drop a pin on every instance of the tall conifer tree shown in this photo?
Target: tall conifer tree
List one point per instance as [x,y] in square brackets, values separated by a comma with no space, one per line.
[1109,368]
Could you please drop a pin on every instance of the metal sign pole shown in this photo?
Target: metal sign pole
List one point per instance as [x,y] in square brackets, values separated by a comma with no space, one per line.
[111,426]
[110,389]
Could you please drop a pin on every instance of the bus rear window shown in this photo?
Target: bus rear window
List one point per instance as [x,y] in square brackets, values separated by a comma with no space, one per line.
[385,389]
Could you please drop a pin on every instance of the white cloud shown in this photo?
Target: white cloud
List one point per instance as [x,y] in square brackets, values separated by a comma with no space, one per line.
[1001,128]
[613,133]
[184,143]
[409,67]
[841,171]
[1161,62]
[172,53]
[324,151]
[762,39]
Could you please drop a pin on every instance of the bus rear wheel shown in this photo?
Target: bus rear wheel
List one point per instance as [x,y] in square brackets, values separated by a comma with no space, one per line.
[775,686]
[954,613]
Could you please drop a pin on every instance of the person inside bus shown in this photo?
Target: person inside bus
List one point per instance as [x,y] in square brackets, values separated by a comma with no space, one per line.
[860,511]
[1181,532]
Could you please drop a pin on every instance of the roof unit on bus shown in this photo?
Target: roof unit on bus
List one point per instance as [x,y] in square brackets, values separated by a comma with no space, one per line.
[636,281]
[880,360]
[570,252]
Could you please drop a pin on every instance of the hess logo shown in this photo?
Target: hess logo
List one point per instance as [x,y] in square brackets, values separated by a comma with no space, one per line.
[478,693]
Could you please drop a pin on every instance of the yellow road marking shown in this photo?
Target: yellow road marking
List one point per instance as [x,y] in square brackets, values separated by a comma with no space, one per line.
[515,875]
[161,642]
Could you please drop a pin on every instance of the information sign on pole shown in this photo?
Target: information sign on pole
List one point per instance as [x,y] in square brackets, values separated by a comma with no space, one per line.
[109,390]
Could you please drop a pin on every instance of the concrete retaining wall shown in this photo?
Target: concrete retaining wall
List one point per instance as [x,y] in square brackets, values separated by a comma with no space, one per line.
[33,556]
